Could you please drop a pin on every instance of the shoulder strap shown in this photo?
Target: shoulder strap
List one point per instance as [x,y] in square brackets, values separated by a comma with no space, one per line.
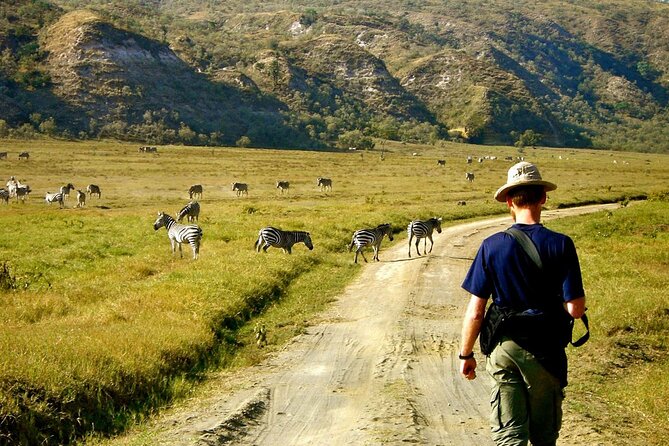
[527,245]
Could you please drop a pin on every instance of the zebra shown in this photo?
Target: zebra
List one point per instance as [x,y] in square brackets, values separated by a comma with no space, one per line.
[179,233]
[93,189]
[469,176]
[240,188]
[285,240]
[370,237]
[324,183]
[283,186]
[24,155]
[22,192]
[441,162]
[65,190]
[195,189]
[191,211]
[3,155]
[81,199]
[4,195]
[54,198]
[423,229]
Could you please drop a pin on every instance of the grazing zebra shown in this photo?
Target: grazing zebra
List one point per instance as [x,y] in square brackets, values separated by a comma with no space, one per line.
[179,233]
[195,190]
[469,176]
[24,155]
[65,190]
[22,192]
[81,199]
[240,188]
[324,183]
[191,210]
[423,229]
[285,240]
[441,162]
[4,195]
[3,155]
[93,189]
[370,237]
[54,198]
[283,186]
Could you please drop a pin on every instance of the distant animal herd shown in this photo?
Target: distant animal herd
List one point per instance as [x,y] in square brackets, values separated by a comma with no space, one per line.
[191,233]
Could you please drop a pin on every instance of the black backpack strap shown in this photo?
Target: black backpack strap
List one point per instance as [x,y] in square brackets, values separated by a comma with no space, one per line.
[583,339]
[527,245]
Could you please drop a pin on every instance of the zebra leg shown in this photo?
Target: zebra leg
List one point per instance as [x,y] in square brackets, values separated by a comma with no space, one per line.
[431,243]
[362,253]
[265,247]
[376,253]
[181,254]
[418,246]
[410,237]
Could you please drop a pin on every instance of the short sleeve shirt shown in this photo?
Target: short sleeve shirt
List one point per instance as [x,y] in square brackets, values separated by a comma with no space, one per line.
[503,270]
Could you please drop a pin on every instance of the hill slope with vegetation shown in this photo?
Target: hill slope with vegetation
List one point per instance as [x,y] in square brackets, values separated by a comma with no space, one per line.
[309,73]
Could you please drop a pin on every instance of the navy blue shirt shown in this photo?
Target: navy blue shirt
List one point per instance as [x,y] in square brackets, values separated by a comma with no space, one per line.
[504,271]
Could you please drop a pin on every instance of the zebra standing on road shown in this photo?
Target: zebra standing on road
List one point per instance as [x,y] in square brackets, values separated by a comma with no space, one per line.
[191,210]
[324,183]
[283,186]
[423,229]
[54,198]
[285,240]
[370,237]
[179,233]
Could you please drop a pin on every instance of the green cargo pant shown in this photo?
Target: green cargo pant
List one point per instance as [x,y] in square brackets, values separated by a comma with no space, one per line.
[526,400]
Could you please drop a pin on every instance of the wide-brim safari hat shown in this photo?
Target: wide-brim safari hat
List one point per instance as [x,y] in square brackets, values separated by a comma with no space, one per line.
[523,174]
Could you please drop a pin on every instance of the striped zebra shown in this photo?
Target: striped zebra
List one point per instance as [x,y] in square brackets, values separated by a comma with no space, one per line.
[21,192]
[191,210]
[285,240]
[370,237]
[4,195]
[93,189]
[240,188]
[65,190]
[179,233]
[324,183]
[283,186]
[81,199]
[195,190]
[469,176]
[423,229]
[54,198]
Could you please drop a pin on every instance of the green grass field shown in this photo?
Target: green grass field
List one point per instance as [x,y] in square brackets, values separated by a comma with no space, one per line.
[101,324]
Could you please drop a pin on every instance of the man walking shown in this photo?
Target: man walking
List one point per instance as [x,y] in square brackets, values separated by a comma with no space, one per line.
[527,327]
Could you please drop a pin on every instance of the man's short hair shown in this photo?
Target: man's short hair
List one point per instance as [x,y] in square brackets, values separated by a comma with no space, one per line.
[524,196]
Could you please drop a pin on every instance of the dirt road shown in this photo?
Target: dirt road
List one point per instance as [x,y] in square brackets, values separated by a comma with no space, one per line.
[380,368]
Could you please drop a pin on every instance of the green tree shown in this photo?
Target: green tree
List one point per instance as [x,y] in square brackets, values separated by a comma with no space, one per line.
[529,138]
[244,141]
[355,138]
[48,127]
[186,134]
[4,128]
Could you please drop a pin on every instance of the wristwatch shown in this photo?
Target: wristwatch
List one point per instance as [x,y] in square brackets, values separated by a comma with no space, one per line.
[469,356]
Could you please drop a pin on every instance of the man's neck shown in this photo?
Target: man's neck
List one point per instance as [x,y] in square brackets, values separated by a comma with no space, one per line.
[527,216]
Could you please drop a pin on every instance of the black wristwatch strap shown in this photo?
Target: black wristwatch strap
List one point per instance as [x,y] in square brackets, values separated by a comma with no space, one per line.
[469,356]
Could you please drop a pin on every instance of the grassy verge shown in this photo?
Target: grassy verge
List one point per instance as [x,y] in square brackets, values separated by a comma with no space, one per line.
[617,377]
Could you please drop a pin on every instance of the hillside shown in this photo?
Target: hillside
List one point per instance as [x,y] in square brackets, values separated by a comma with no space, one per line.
[304,73]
